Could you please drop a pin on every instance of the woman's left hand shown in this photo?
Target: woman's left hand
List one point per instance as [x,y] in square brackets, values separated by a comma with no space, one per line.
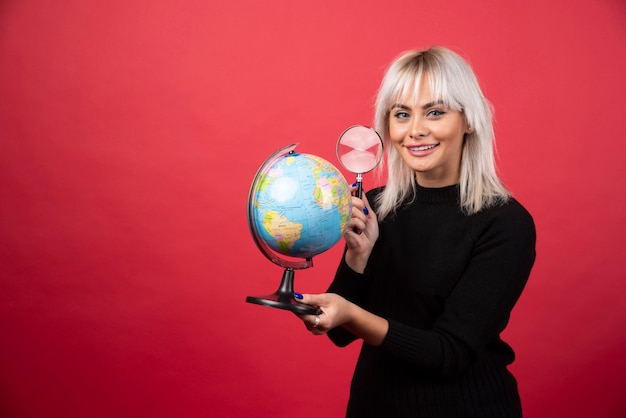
[335,312]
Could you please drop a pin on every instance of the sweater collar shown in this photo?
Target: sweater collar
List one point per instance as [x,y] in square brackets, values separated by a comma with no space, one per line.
[448,194]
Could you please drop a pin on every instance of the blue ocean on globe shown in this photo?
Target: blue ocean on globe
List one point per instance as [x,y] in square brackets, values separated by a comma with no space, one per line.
[300,206]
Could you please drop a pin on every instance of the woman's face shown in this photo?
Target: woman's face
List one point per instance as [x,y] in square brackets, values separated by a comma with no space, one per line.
[429,137]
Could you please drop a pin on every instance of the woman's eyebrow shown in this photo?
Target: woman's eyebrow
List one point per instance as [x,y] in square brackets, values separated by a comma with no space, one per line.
[433,103]
[425,106]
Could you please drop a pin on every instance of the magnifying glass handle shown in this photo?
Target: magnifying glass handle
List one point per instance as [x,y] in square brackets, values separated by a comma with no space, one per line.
[359,185]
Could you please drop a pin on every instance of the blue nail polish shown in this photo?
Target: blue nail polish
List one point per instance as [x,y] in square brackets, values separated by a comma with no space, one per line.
[354,184]
[298,296]
[365,211]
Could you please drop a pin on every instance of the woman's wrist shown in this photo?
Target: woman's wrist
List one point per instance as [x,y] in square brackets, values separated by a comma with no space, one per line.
[369,327]
[356,262]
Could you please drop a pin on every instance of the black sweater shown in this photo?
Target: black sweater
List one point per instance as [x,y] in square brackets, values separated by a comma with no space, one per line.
[446,282]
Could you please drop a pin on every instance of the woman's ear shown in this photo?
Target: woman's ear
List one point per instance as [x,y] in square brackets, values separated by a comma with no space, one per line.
[468,127]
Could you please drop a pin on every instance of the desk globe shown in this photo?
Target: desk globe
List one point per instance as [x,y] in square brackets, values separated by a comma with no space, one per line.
[298,207]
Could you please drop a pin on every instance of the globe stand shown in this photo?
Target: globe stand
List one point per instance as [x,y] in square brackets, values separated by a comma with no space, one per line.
[283,297]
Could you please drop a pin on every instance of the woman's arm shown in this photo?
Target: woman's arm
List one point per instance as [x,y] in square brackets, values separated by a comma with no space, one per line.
[478,308]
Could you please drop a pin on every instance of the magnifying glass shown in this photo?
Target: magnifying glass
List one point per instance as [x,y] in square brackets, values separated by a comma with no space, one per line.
[359,150]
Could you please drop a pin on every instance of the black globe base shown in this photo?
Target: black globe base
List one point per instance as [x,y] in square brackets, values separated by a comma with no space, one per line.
[283,298]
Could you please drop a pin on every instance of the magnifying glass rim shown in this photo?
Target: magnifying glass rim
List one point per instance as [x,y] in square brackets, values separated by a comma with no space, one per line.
[379,155]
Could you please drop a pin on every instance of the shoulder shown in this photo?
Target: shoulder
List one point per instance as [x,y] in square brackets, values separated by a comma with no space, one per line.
[509,216]
[511,209]
[374,192]
[373,196]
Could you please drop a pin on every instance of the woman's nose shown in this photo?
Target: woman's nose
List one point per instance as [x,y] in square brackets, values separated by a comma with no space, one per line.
[418,128]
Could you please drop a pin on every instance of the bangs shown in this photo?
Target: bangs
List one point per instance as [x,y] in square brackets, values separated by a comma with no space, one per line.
[409,78]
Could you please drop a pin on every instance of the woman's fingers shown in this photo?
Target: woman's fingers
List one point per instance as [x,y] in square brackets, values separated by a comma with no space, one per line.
[330,305]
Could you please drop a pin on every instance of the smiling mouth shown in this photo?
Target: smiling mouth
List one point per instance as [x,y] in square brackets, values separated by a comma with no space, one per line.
[423,147]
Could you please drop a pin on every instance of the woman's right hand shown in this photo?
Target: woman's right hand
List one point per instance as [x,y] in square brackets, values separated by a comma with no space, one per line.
[361,233]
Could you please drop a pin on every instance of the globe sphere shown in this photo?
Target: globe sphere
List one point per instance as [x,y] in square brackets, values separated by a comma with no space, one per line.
[299,205]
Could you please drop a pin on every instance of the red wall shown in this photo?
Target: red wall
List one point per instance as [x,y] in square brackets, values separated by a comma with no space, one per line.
[130,132]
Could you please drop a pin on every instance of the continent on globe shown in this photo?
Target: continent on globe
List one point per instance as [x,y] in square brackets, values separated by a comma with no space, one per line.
[284,231]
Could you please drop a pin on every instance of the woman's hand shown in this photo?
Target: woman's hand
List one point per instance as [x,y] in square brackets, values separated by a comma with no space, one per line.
[337,311]
[361,233]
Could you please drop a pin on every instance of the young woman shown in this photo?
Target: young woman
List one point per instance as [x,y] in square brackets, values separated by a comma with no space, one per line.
[435,260]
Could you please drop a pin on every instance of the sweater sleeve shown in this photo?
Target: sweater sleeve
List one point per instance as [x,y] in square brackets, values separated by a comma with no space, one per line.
[353,286]
[478,308]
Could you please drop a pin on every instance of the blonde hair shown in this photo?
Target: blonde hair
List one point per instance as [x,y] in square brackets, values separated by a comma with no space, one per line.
[452,81]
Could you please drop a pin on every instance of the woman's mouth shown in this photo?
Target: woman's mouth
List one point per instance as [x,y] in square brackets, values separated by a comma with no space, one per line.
[422,147]
[421,150]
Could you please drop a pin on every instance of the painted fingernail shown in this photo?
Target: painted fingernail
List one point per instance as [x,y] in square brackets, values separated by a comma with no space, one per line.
[365,211]
[298,295]
[354,184]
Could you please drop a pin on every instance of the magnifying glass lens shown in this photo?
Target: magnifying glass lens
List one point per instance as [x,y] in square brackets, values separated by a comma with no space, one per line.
[359,150]
[358,161]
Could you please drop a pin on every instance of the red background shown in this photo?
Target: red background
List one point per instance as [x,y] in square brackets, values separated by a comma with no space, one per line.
[130,132]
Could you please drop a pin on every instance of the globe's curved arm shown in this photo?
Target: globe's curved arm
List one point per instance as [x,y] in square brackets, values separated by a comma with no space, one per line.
[265,249]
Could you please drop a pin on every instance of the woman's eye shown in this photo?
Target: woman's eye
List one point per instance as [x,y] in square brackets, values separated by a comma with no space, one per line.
[435,112]
[401,115]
